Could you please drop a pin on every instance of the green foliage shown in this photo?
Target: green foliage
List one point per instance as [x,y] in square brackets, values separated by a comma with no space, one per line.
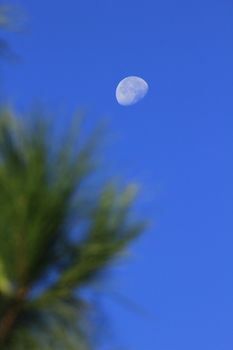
[44,196]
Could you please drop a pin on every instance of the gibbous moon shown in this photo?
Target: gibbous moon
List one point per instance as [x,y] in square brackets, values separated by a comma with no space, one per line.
[131,90]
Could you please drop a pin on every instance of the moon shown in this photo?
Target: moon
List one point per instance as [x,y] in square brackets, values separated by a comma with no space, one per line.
[130,90]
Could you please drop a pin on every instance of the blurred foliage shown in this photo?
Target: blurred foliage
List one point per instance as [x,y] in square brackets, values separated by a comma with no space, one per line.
[44,197]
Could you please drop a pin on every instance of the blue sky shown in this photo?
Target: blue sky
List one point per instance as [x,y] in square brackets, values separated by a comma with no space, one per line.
[177,143]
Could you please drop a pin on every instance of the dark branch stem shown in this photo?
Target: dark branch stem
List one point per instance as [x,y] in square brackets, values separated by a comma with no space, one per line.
[10,317]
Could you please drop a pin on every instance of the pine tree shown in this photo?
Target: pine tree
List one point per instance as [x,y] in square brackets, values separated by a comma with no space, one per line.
[44,198]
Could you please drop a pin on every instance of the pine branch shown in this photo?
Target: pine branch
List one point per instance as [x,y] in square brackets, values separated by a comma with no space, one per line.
[10,316]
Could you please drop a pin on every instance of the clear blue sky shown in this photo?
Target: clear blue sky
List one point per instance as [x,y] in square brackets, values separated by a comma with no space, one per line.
[177,142]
